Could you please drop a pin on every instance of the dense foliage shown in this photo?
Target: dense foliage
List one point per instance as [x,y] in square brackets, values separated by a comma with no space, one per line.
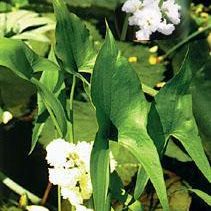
[67,72]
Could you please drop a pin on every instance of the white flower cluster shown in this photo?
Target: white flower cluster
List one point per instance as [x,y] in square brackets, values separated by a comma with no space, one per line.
[70,169]
[150,16]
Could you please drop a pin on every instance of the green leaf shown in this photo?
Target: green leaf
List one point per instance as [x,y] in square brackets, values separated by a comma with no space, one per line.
[174,105]
[202,102]
[54,108]
[25,25]
[13,55]
[141,182]
[53,80]
[74,46]
[17,102]
[117,96]
[85,123]
[25,63]
[202,195]
[100,173]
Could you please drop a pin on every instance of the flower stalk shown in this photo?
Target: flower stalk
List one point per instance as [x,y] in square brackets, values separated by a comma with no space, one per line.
[59,199]
[18,189]
[71,138]
[186,40]
[124,28]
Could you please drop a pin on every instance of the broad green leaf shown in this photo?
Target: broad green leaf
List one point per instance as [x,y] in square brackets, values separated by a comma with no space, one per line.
[25,63]
[85,123]
[174,105]
[74,47]
[202,102]
[201,82]
[19,58]
[13,56]
[17,102]
[25,25]
[117,96]
[202,195]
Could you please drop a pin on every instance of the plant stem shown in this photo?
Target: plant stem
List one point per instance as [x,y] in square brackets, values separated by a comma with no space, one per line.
[124,28]
[45,196]
[71,107]
[185,41]
[150,91]
[18,189]
[59,199]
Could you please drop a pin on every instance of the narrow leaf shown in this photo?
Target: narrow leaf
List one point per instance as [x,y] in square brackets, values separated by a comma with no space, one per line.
[100,173]
[202,195]
[54,107]
[13,56]
[141,182]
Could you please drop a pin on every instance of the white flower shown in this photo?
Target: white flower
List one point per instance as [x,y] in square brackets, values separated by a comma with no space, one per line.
[71,170]
[86,186]
[171,9]
[58,152]
[165,28]
[83,149]
[72,194]
[64,177]
[82,208]
[149,17]
[143,34]
[131,6]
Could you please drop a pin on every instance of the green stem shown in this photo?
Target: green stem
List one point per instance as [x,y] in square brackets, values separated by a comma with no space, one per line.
[185,41]
[124,28]
[18,189]
[150,91]
[59,199]
[71,107]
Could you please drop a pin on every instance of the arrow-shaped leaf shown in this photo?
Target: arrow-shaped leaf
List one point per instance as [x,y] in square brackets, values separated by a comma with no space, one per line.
[74,46]
[118,98]
[174,105]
